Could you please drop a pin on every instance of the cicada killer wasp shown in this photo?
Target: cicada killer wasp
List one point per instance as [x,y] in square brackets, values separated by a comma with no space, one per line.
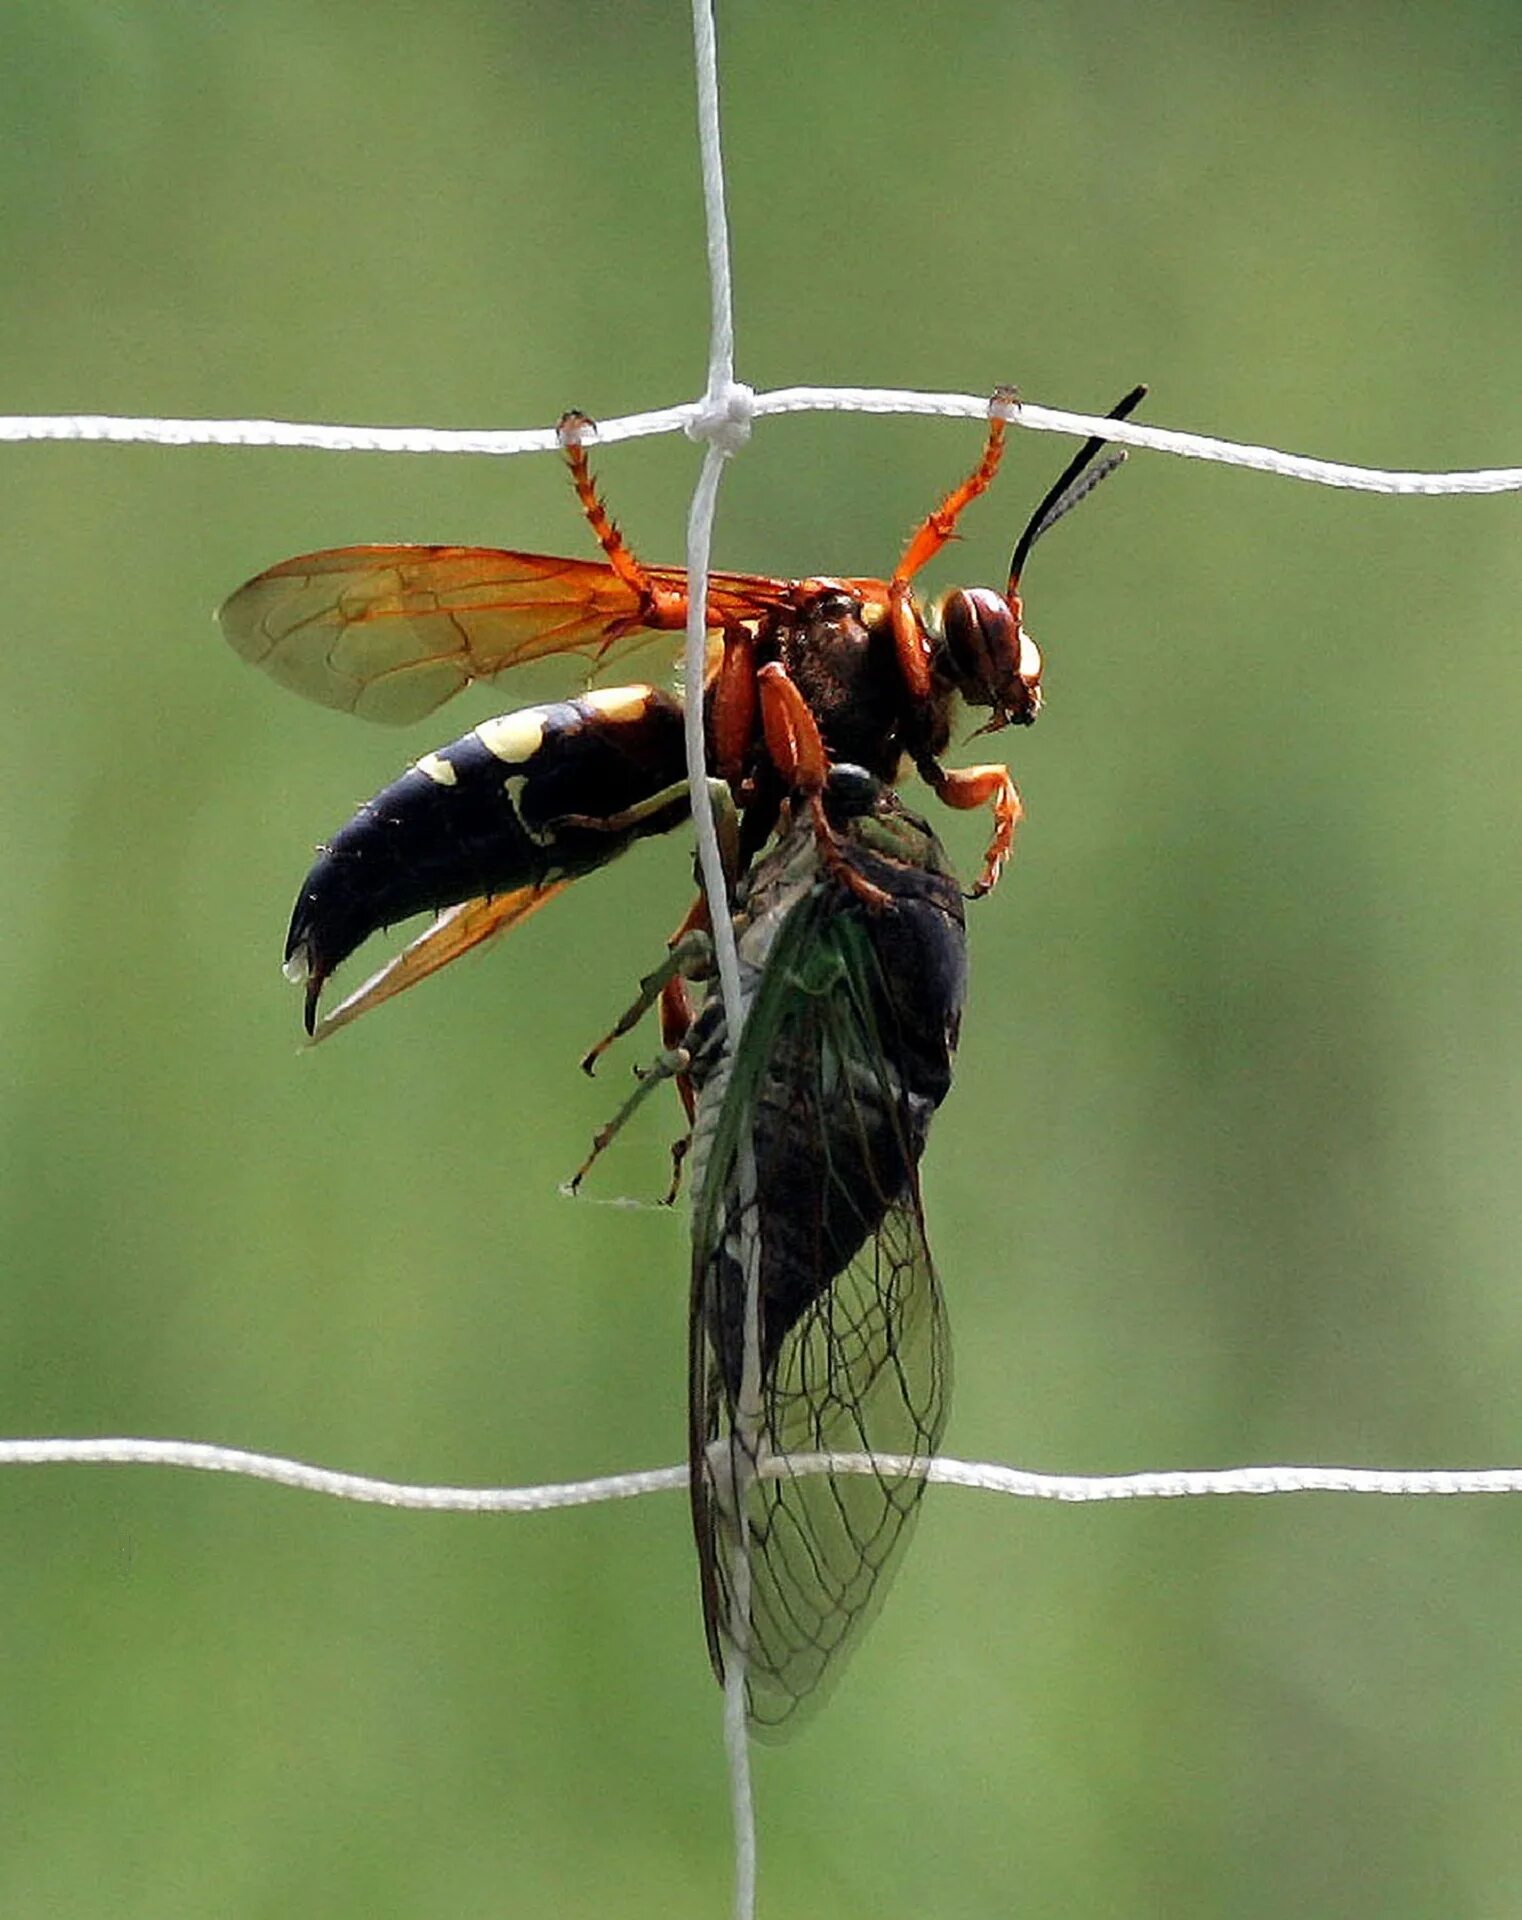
[485,830]
[807,1128]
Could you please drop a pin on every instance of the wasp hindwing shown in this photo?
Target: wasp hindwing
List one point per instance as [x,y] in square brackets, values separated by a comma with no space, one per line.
[806,1149]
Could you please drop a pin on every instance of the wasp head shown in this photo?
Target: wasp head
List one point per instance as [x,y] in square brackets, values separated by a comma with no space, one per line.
[985,654]
[981,649]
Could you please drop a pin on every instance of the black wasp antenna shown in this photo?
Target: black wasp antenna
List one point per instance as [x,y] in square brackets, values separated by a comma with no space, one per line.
[1077,480]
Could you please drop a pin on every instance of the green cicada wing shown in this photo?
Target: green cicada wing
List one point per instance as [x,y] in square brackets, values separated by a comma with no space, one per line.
[826,1102]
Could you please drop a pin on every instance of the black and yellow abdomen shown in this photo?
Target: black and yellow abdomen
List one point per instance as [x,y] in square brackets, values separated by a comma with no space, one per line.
[524,800]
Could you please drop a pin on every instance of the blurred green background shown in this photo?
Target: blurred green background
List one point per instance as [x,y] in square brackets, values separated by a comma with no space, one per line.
[1231,1170]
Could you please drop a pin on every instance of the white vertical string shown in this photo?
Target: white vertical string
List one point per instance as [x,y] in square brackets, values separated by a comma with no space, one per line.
[736,1738]
[724,422]
[721,318]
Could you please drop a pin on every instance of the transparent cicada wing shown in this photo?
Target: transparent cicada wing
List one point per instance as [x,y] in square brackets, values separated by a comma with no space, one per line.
[811,1175]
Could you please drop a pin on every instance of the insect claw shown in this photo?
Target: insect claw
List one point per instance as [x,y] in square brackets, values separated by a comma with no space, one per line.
[1004,403]
[679,1151]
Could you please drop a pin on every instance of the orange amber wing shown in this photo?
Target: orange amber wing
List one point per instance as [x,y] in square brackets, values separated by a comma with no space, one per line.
[455,931]
[733,598]
[390,632]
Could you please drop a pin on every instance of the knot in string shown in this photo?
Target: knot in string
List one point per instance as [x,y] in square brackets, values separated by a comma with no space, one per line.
[723,416]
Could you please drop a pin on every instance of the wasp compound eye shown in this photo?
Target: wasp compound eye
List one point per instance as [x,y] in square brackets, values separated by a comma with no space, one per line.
[987,656]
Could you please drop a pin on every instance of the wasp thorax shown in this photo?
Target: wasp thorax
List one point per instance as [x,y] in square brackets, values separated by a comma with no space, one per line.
[987,655]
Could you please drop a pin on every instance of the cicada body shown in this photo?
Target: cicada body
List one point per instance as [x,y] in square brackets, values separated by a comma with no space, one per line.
[806,1149]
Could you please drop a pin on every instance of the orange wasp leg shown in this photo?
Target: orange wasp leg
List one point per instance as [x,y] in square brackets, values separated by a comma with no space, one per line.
[927,540]
[797,751]
[969,787]
[660,607]
[732,702]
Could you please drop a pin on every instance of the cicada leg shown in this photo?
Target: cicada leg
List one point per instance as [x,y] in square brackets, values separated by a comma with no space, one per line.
[666,1066]
[667,983]
[680,1148]
[690,958]
[650,807]
[677,1016]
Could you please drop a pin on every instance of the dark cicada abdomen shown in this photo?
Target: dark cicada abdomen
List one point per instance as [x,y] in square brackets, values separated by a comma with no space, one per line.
[852,1021]
[524,800]
[806,1151]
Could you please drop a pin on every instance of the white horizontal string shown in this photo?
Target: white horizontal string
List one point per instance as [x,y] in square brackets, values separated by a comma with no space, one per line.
[982,1476]
[783,400]
[202,1457]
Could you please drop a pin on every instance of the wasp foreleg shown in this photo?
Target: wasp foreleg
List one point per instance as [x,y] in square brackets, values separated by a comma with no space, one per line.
[967,787]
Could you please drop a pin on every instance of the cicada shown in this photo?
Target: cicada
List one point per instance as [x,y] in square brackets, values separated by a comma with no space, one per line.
[817,1328]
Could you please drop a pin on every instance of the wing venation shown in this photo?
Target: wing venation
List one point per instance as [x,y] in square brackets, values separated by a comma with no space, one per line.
[391,632]
[831,1095]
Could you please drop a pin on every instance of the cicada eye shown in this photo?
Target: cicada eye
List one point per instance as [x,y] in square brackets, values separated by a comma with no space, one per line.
[850,791]
[988,657]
